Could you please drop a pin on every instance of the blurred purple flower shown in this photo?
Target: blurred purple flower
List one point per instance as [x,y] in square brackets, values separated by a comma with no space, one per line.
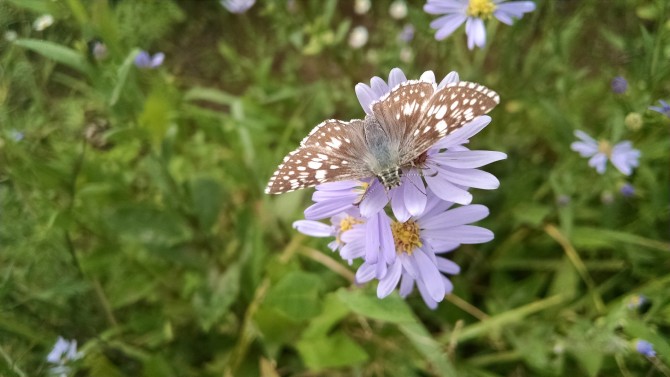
[407,33]
[237,6]
[473,13]
[17,135]
[623,156]
[619,85]
[627,190]
[663,109]
[64,351]
[146,61]
[645,348]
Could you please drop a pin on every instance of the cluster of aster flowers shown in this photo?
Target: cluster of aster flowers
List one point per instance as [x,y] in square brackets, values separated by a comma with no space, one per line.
[402,235]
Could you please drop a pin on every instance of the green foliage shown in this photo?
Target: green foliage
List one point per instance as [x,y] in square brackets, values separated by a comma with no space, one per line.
[132,216]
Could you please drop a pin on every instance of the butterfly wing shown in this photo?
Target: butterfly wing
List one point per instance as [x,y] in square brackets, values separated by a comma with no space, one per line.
[449,109]
[401,109]
[329,153]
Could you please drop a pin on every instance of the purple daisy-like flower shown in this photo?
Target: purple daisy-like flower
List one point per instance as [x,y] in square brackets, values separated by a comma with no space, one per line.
[64,351]
[473,13]
[663,109]
[645,348]
[622,155]
[417,243]
[146,61]
[619,85]
[237,6]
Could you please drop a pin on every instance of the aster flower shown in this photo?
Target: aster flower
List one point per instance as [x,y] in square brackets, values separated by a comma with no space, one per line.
[417,244]
[146,61]
[407,33]
[645,348]
[663,109]
[619,85]
[623,156]
[64,351]
[362,6]
[473,13]
[636,301]
[237,6]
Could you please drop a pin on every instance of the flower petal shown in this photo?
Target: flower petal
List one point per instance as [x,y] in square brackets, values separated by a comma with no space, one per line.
[313,228]
[465,234]
[467,159]
[446,25]
[390,280]
[429,275]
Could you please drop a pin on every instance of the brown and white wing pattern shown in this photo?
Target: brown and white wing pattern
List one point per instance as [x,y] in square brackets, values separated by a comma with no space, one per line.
[329,153]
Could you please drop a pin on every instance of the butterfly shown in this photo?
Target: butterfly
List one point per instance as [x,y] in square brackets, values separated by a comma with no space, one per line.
[404,124]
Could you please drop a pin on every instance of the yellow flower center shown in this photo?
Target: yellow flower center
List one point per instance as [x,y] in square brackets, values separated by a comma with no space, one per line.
[346,224]
[481,9]
[605,147]
[405,236]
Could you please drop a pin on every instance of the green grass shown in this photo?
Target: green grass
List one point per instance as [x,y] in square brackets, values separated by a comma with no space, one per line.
[133,217]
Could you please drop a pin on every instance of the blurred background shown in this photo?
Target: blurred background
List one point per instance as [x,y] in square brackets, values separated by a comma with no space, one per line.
[133,218]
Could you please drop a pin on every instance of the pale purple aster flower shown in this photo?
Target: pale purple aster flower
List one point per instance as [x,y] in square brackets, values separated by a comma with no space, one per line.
[146,61]
[237,6]
[333,198]
[473,13]
[64,351]
[663,109]
[416,243]
[623,156]
[340,223]
[619,85]
[645,348]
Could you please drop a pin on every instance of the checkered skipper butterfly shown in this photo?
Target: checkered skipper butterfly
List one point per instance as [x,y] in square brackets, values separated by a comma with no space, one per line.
[404,124]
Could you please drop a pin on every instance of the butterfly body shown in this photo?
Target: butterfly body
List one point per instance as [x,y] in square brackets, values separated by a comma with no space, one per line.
[404,124]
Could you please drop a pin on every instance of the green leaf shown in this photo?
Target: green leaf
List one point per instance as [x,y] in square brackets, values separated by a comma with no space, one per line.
[156,116]
[147,225]
[333,311]
[596,237]
[122,76]
[207,199]
[296,295]
[390,309]
[425,343]
[213,302]
[54,51]
[334,351]
[210,95]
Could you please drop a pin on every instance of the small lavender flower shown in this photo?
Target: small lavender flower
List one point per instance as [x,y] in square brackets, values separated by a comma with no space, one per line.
[17,135]
[407,33]
[619,85]
[636,301]
[473,13]
[63,352]
[645,348]
[627,190]
[563,200]
[237,6]
[663,109]
[623,156]
[146,61]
